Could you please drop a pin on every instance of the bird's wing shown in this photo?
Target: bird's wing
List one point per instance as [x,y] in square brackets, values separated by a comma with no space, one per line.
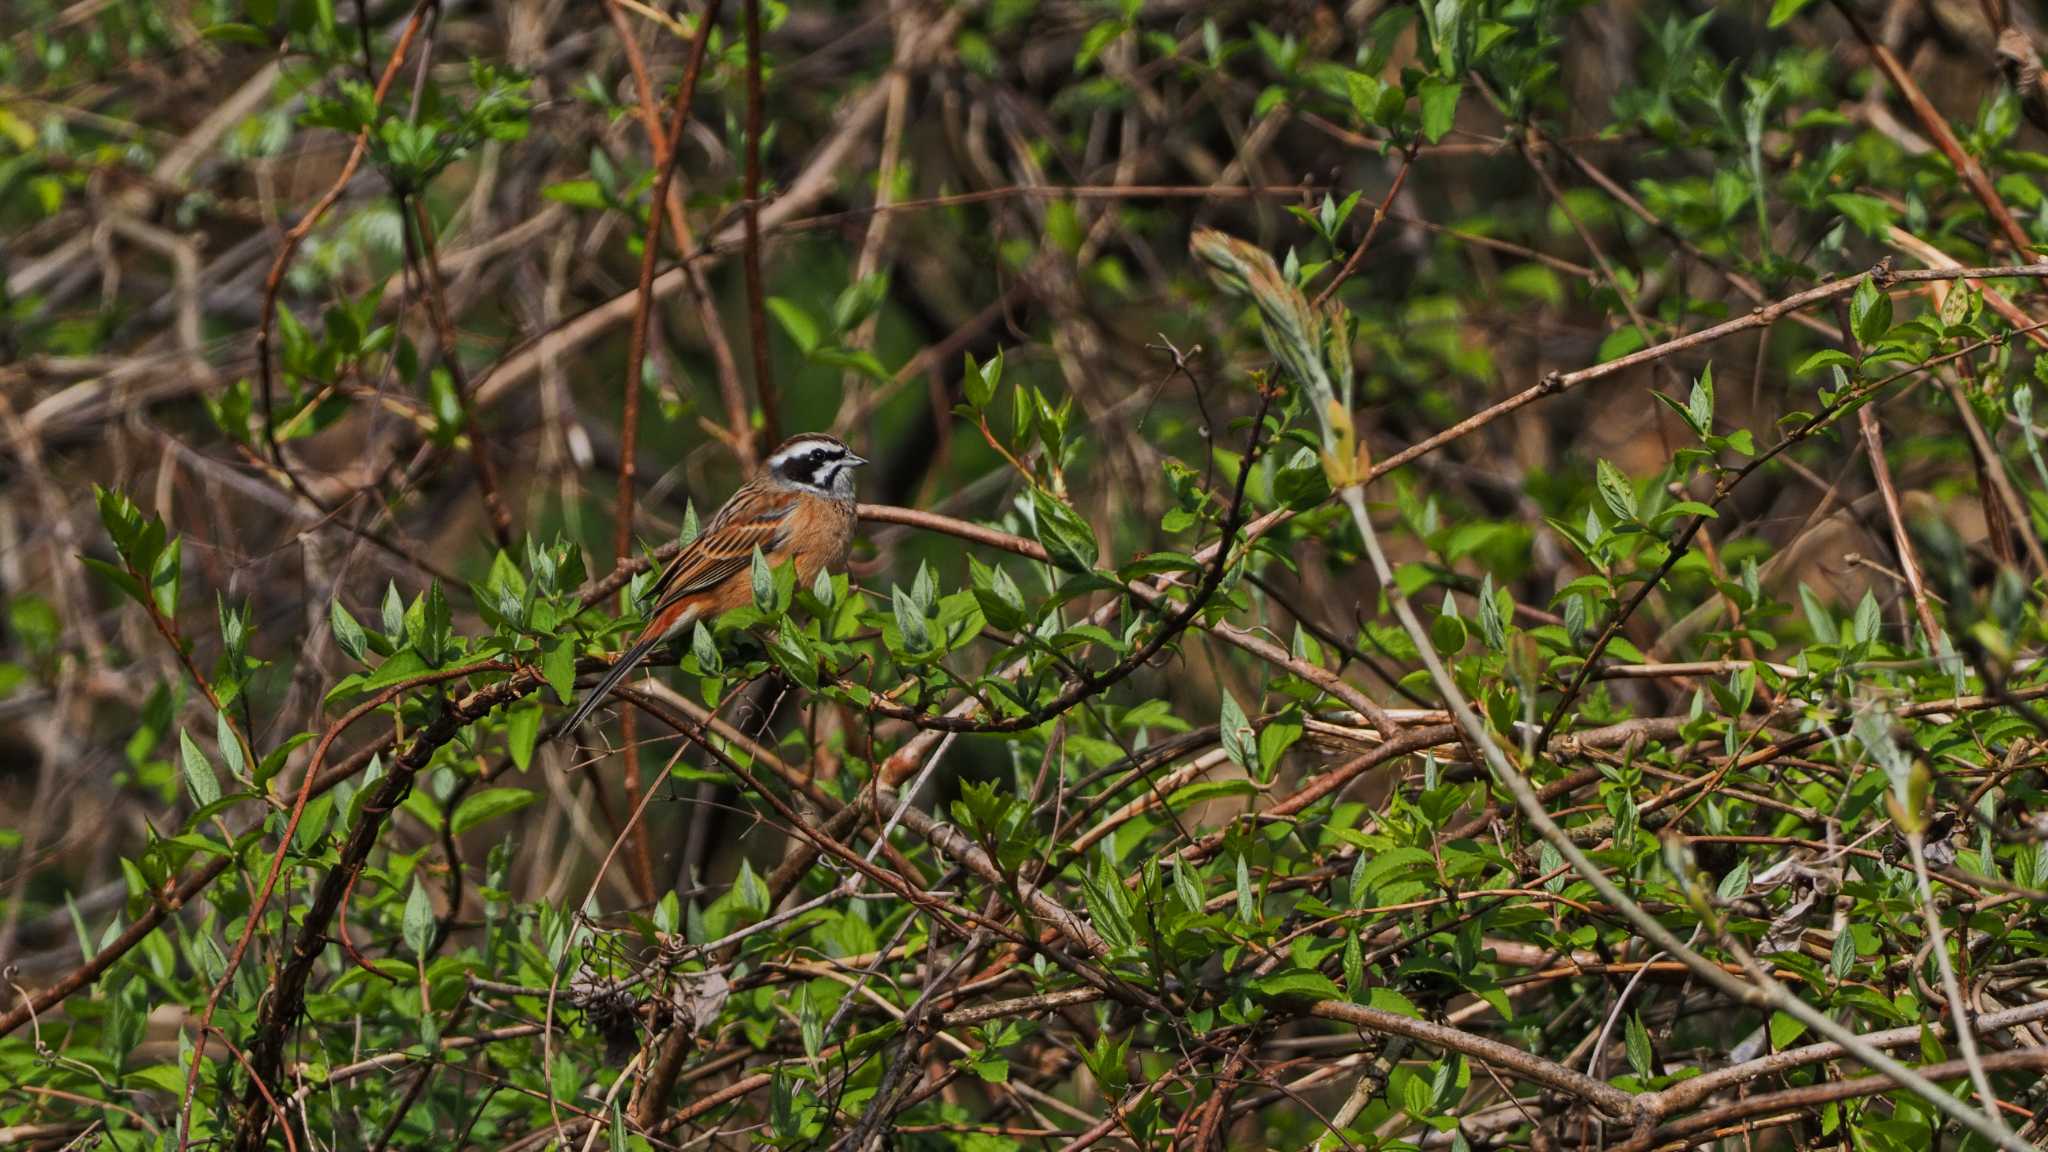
[752,519]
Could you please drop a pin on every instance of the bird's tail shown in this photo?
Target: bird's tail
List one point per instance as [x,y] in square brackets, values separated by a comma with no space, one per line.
[620,669]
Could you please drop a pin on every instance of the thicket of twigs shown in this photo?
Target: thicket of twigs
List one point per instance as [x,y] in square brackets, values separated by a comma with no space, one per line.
[1436,576]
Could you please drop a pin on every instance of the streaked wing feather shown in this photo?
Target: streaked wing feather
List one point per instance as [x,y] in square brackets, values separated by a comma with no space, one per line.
[748,521]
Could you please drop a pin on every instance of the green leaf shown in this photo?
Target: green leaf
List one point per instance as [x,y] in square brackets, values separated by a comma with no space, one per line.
[394,613]
[1002,603]
[402,665]
[705,650]
[976,385]
[1619,343]
[558,664]
[418,924]
[1872,216]
[763,579]
[1388,1000]
[1736,883]
[347,632]
[1439,99]
[522,733]
[1782,11]
[1699,406]
[478,807]
[1363,90]
[230,748]
[199,778]
[235,34]
[1447,633]
[1184,887]
[273,760]
[1870,313]
[750,891]
[1235,732]
[910,622]
[1786,1028]
[163,578]
[858,301]
[435,622]
[117,576]
[1067,537]
[989,1066]
[1616,492]
[1411,1090]
[1275,739]
[1202,791]
[797,323]
[1492,627]
[1297,985]
[793,654]
[577,194]
[1640,1056]
[1868,618]
[1818,617]
[1842,958]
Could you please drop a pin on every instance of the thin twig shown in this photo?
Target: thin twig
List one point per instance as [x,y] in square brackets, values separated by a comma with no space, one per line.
[757,309]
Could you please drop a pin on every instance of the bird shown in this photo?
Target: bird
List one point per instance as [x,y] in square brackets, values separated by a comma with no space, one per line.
[800,508]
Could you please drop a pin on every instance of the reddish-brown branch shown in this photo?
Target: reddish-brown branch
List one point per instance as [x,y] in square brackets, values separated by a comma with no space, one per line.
[1759,317]
[168,629]
[274,280]
[291,826]
[1681,540]
[165,904]
[291,1140]
[1692,1128]
[1535,1069]
[286,995]
[481,461]
[731,390]
[1902,542]
[757,308]
[1936,126]
[666,152]
[1881,474]
[1379,216]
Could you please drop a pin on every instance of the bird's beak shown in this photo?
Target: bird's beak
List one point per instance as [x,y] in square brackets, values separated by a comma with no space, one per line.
[856,461]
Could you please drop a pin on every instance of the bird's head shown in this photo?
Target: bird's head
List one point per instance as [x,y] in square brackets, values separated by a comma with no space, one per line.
[816,463]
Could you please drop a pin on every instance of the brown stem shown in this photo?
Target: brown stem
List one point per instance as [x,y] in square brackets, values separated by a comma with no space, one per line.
[291,826]
[1690,1129]
[629,422]
[1909,564]
[757,309]
[731,389]
[1682,539]
[1379,216]
[1881,473]
[163,905]
[274,281]
[1936,125]
[287,991]
[444,331]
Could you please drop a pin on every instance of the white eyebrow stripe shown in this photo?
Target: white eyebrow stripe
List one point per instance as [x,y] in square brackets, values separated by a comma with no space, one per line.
[815,451]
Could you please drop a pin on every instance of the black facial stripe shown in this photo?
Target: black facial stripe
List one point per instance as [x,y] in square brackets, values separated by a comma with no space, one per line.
[815,467]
